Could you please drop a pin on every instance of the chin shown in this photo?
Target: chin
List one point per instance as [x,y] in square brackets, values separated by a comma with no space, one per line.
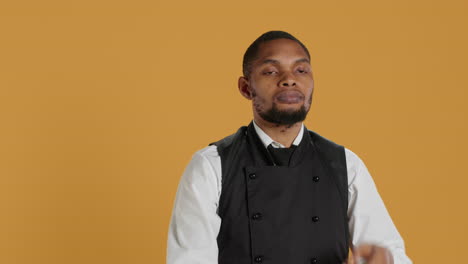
[285,115]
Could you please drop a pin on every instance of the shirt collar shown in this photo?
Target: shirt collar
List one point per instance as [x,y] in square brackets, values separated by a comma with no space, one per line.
[266,140]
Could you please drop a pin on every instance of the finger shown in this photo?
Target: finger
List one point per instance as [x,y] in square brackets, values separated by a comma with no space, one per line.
[364,251]
[373,254]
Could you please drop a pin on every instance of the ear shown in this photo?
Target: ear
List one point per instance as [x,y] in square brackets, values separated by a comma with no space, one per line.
[244,87]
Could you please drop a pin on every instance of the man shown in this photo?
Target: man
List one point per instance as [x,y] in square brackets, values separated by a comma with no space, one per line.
[275,192]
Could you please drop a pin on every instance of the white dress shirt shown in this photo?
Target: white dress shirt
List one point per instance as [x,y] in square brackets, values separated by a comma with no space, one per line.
[195,223]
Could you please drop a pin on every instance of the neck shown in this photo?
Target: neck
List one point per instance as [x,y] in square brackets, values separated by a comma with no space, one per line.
[284,134]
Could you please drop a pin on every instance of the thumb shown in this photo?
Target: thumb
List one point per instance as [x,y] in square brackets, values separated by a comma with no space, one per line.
[364,251]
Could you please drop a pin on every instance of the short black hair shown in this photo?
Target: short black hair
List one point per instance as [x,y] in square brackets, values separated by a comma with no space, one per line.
[251,52]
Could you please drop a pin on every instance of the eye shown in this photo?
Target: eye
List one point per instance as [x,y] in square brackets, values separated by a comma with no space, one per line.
[270,72]
[302,70]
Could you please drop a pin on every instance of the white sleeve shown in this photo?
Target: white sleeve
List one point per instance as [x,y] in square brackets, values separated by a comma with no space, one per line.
[195,224]
[369,220]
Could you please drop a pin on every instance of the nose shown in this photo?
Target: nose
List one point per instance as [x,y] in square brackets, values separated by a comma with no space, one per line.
[287,81]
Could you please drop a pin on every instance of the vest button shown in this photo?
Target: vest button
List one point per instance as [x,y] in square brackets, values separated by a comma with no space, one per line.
[258,259]
[315,219]
[252,176]
[313,261]
[257,216]
[316,178]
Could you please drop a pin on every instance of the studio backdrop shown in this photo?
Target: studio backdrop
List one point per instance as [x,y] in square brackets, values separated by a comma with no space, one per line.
[103,103]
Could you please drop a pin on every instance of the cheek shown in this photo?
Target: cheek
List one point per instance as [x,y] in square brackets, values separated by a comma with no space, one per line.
[260,89]
[309,94]
[310,90]
[257,98]
[259,101]
[259,104]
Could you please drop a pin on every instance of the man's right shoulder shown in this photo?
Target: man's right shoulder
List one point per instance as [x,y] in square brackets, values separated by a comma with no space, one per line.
[227,141]
[211,153]
[208,152]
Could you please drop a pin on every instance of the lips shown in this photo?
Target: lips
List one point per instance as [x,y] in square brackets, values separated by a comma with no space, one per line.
[289,97]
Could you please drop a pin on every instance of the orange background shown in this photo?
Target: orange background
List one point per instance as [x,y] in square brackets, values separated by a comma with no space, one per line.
[102,104]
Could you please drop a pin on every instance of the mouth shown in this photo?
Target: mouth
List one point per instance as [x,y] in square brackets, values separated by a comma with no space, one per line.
[289,97]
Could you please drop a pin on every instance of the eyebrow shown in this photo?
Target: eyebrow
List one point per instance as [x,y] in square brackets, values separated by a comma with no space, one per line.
[272,61]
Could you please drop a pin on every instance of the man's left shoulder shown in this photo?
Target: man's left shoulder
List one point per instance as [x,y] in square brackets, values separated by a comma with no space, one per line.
[323,142]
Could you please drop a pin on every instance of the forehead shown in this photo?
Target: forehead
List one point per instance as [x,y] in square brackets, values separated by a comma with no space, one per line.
[281,49]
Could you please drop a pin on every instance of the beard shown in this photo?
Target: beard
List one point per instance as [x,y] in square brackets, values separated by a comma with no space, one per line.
[282,117]
[276,116]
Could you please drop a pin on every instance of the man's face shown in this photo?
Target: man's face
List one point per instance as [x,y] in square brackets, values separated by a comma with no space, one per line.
[280,83]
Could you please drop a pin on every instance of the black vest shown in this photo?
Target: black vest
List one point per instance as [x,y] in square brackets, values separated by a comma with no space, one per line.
[294,214]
